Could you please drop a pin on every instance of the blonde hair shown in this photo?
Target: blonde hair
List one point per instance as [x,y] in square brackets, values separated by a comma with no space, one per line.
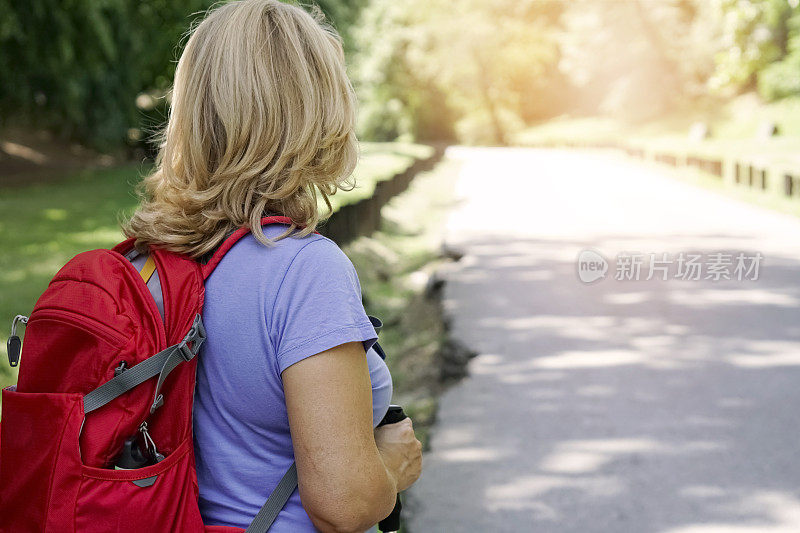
[262,121]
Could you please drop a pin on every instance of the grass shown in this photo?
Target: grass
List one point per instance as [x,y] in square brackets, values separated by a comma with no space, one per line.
[567,129]
[43,225]
[733,125]
[769,199]
[379,162]
[394,266]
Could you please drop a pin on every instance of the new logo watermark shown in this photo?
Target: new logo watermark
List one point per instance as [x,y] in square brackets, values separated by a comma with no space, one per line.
[591,266]
[683,266]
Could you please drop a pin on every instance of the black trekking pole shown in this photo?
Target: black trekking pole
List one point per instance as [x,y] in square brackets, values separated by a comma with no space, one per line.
[392,522]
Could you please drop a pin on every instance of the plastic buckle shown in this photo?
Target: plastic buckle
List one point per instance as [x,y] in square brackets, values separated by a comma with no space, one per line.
[200,332]
[196,335]
[186,353]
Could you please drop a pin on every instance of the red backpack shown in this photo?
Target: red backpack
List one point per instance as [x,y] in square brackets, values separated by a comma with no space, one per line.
[104,377]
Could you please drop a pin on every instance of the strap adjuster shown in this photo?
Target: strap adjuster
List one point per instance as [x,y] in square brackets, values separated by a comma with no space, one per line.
[160,364]
[185,352]
[196,335]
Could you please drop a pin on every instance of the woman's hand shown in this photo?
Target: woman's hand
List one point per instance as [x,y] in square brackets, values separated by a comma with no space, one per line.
[401,452]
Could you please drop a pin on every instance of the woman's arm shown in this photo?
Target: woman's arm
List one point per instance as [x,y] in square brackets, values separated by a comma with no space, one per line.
[346,484]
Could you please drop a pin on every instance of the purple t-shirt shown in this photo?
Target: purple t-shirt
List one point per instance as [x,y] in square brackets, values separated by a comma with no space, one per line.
[267,308]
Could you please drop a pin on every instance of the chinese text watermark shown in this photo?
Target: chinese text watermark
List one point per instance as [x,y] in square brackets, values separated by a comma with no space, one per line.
[683,266]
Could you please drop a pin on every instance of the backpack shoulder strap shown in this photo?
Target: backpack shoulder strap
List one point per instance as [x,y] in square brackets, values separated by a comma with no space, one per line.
[269,511]
[228,243]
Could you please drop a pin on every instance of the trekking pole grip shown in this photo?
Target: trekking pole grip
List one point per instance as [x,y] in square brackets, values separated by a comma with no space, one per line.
[392,522]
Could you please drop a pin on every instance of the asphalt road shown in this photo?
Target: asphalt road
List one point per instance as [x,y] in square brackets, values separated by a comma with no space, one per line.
[621,405]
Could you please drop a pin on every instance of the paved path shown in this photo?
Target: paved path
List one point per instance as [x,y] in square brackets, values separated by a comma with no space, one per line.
[637,406]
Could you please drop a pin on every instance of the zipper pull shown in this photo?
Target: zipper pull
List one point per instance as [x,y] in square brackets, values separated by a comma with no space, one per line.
[14,343]
[150,444]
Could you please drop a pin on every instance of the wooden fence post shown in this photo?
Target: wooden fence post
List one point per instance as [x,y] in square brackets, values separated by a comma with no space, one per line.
[715,167]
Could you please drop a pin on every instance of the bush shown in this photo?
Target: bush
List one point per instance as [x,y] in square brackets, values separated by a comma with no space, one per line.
[76,68]
[781,79]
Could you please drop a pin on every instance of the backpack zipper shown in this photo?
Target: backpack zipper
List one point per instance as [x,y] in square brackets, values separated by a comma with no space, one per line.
[79,321]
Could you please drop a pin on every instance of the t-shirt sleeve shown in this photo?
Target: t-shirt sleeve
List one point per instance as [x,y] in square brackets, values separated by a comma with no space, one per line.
[318,305]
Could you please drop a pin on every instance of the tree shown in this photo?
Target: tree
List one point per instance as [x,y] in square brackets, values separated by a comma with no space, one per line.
[637,59]
[755,34]
[77,68]
[483,61]
[782,78]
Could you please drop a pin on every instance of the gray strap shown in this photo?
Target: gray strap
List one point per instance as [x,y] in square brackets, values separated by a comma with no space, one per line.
[269,512]
[160,364]
[129,379]
[172,361]
[196,335]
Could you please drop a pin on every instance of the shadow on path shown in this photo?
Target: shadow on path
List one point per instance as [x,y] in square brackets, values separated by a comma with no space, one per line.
[638,406]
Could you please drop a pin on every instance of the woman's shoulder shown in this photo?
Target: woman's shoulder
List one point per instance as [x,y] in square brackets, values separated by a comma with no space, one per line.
[309,251]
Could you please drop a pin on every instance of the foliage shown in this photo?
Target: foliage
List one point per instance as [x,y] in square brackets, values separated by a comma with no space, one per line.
[97,70]
[343,14]
[636,59]
[77,67]
[423,64]
[759,46]
[396,100]
[782,78]
[645,59]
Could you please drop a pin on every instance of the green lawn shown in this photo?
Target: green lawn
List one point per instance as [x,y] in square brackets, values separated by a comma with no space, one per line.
[379,162]
[43,225]
[568,129]
[734,126]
